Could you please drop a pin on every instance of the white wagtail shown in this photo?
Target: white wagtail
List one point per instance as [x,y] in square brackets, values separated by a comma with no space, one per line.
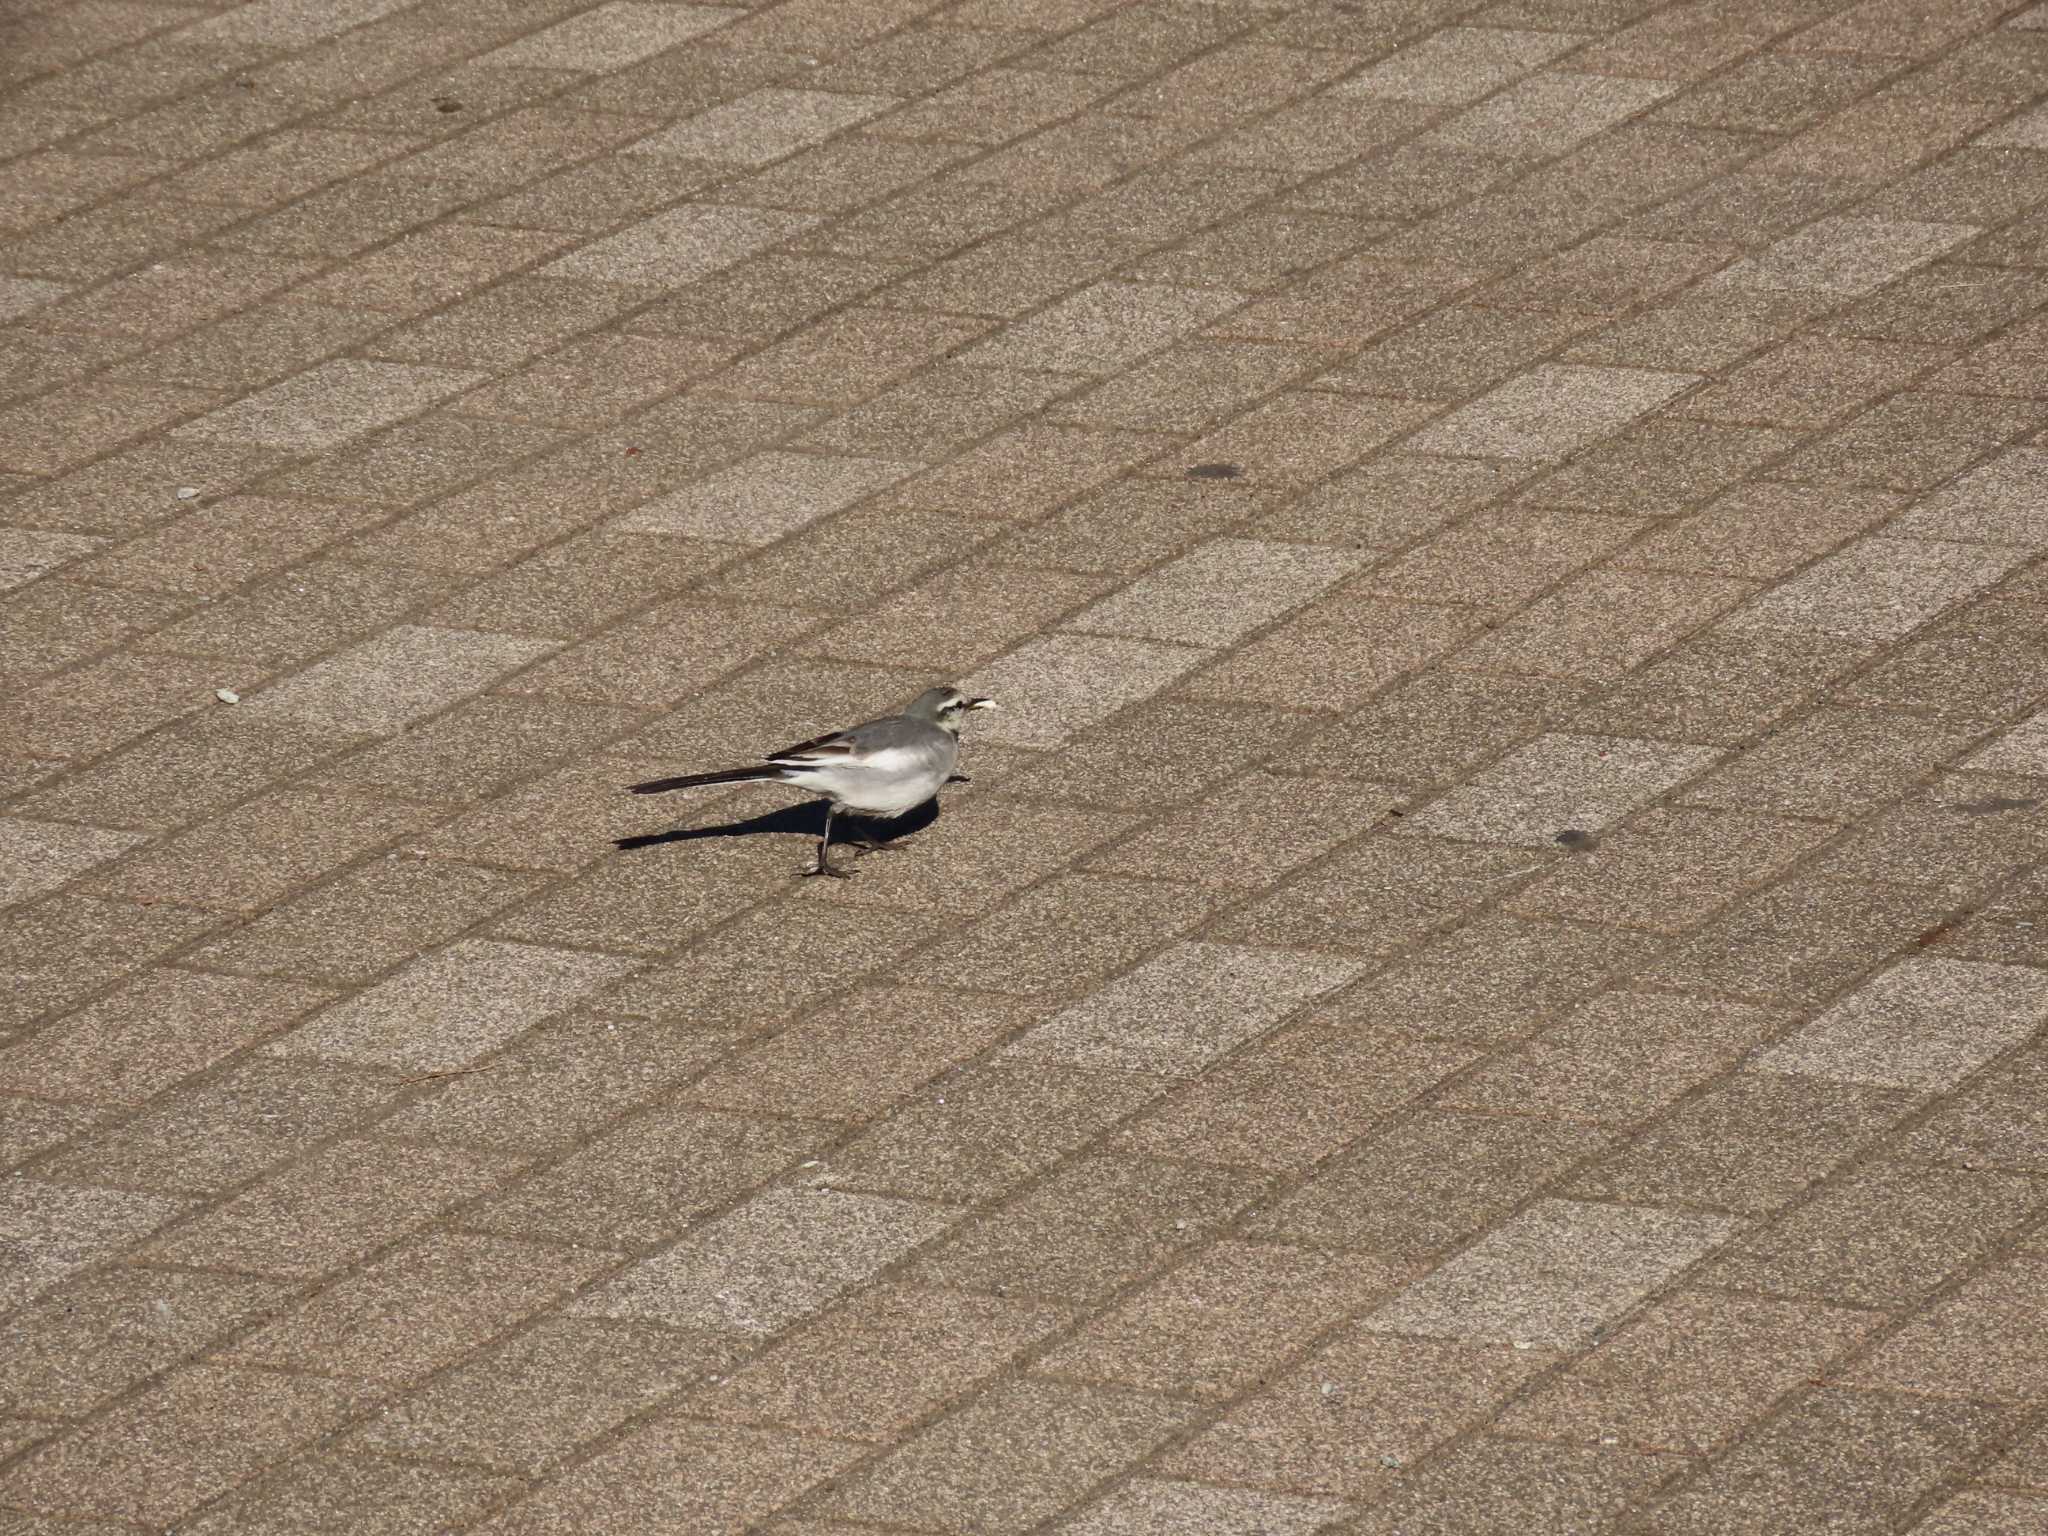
[879,768]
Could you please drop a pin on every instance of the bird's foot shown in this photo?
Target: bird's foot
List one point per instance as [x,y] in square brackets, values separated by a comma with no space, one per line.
[830,871]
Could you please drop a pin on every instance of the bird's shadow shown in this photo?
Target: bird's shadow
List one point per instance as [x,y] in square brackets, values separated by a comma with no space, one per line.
[806,819]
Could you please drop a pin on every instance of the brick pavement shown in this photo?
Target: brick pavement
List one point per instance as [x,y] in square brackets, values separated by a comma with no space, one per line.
[1492,973]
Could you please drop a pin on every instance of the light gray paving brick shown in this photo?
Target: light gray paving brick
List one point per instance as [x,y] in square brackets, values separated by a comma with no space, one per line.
[1925,1023]
[39,856]
[1051,688]
[759,500]
[777,1258]
[1175,1015]
[1849,256]
[610,37]
[1877,589]
[453,1005]
[1459,64]
[1551,411]
[1559,783]
[405,674]
[1219,592]
[330,404]
[680,245]
[1555,1274]
[763,126]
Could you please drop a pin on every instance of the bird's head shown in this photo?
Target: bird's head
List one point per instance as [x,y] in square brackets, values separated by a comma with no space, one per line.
[945,707]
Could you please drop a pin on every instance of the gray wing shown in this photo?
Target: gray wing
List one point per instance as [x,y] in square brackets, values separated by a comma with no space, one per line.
[892,731]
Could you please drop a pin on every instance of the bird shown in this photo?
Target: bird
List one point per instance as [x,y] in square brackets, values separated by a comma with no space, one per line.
[880,768]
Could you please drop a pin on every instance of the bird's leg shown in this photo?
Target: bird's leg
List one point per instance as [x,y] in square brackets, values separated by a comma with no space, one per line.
[824,843]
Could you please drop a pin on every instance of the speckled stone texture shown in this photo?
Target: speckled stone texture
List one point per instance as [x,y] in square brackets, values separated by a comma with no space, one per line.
[1489,976]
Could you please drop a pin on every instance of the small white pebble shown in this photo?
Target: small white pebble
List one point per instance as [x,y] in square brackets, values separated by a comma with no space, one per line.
[187,492]
[227,695]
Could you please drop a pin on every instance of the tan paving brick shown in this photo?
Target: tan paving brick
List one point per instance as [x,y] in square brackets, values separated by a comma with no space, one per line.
[160,1027]
[1340,1422]
[314,1216]
[681,1473]
[405,1315]
[115,1328]
[1011,1459]
[1153,1507]
[1892,1449]
[529,1401]
[1687,1372]
[933,1347]
[42,856]
[188,1438]
[1561,783]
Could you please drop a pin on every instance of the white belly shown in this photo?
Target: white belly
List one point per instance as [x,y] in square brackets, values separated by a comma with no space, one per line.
[886,785]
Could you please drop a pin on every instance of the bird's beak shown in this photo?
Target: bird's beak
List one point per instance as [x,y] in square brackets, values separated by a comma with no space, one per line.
[981,703]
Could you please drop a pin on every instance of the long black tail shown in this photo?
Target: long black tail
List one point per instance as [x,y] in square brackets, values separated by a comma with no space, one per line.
[693,780]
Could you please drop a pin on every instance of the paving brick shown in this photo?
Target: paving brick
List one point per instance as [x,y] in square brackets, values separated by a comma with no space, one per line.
[1892,1450]
[1215,1325]
[332,403]
[1869,757]
[933,1347]
[1561,783]
[1554,1274]
[766,497]
[182,1442]
[1878,589]
[1501,1486]
[1923,1024]
[1010,1459]
[1669,870]
[1459,64]
[1427,1181]
[1340,1422]
[56,1230]
[1154,1507]
[37,857]
[680,1474]
[1617,1059]
[379,1495]
[1092,1226]
[1578,632]
[409,1313]
[448,1008]
[1178,1013]
[328,1210]
[155,1029]
[863,1057]
[781,1256]
[986,1130]
[1550,113]
[680,245]
[1218,592]
[1688,1371]
[530,1400]
[1055,686]
[1881,1236]
[764,125]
